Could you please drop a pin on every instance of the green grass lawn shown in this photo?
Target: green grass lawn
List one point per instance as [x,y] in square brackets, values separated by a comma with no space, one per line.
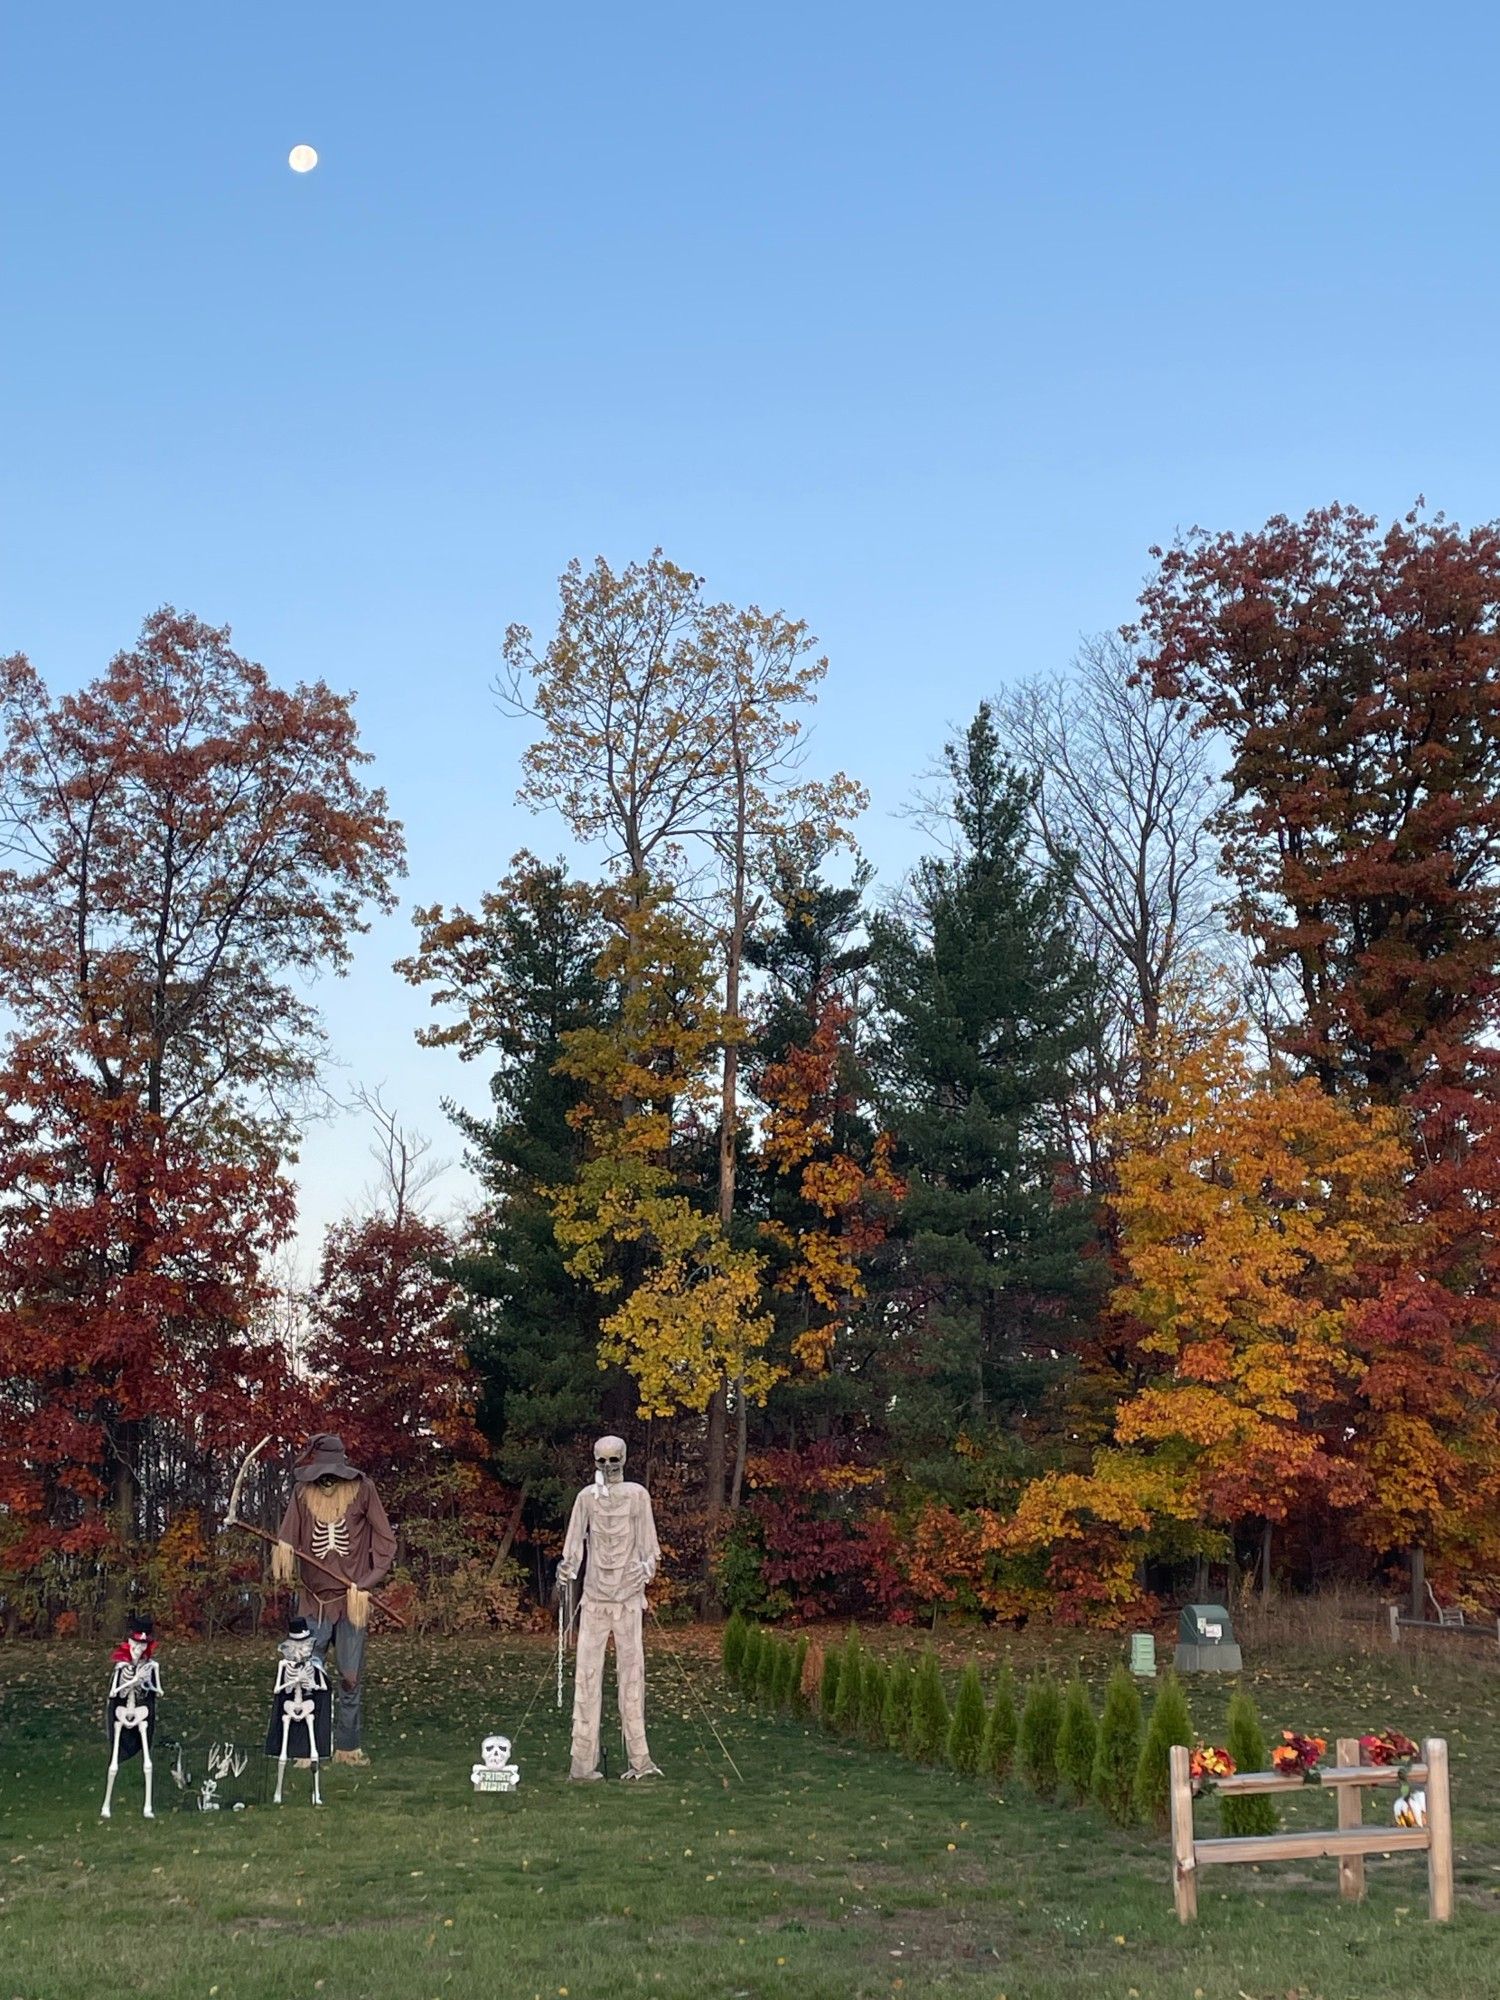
[825,1871]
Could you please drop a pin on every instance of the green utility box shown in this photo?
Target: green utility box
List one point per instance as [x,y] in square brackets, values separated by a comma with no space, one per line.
[1143,1655]
[1205,1641]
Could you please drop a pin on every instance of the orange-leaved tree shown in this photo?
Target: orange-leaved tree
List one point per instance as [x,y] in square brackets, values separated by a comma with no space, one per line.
[1252,1209]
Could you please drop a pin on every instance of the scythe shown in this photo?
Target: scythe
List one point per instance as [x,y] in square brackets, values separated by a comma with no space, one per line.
[232,1520]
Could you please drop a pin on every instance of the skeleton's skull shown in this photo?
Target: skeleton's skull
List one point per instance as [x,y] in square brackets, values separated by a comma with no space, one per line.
[139,1646]
[297,1649]
[495,1750]
[609,1460]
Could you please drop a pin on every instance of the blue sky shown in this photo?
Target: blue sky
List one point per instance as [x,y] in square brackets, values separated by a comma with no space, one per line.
[920,323]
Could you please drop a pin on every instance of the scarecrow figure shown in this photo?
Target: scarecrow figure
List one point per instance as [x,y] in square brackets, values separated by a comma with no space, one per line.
[612,1524]
[335,1517]
[130,1707]
[301,1708]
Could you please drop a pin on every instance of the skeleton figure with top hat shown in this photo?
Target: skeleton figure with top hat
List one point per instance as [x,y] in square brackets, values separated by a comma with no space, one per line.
[335,1519]
[611,1525]
[301,1708]
[130,1707]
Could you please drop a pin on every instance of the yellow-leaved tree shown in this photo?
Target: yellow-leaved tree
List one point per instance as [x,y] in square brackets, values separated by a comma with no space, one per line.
[1251,1208]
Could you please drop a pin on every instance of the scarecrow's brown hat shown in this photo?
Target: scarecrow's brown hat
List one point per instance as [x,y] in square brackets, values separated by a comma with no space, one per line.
[323,1454]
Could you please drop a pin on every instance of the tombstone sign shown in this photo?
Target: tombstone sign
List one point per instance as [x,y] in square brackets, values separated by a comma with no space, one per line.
[1205,1641]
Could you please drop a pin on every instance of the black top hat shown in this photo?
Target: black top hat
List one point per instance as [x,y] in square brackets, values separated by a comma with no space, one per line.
[140,1627]
[299,1628]
[322,1456]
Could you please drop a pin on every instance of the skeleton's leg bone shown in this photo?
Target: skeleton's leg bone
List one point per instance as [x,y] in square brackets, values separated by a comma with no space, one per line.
[588,1686]
[147,1768]
[114,1768]
[312,1737]
[286,1730]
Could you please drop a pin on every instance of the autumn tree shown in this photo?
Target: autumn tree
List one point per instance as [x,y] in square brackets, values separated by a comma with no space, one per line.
[1249,1206]
[1353,674]
[1122,789]
[670,734]
[386,1347]
[981,999]
[185,844]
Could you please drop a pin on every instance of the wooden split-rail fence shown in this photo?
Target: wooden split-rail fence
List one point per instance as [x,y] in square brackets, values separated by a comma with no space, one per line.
[1349,1842]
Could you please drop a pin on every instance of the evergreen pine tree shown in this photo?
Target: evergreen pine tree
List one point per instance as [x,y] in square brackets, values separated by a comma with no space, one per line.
[828,1692]
[1119,1749]
[984,1003]
[1041,1722]
[966,1730]
[851,1687]
[1246,1744]
[897,1718]
[1000,1731]
[1077,1742]
[872,1705]
[1170,1723]
[733,1648]
[927,1733]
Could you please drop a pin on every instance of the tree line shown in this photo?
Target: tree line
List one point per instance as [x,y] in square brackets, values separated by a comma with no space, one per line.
[1107,1199]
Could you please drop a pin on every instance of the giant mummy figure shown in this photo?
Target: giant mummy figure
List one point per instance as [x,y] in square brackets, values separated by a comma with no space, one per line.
[130,1707]
[612,1525]
[301,1708]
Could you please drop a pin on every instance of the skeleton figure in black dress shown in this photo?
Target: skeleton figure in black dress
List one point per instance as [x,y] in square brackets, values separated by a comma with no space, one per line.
[130,1707]
[301,1708]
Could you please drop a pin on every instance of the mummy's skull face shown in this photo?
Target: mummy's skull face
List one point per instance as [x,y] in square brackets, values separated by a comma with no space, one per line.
[495,1750]
[609,1459]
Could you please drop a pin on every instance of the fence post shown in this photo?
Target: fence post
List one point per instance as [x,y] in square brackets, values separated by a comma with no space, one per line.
[1393,1612]
[1351,1813]
[1184,1867]
[1439,1832]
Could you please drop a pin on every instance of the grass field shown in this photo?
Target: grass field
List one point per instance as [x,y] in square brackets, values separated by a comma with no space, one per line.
[825,1871]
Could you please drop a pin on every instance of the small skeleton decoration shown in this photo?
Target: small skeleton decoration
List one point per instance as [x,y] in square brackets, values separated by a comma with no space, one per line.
[611,1526]
[224,1761]
[301,1708]
[130,1707]
[495,1772]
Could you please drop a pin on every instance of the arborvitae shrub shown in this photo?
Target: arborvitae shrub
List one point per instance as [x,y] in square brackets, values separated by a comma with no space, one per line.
[1077,1742]
[851,1687]
[872,1705]
[828,1693]
[1000,1731]
[966,1730]
[1119,1749]
[750,1654]
[897,1718]
[770,1661]
[797,1697]
[1246,1744]
[1041,1721]
[927,1734]
[733,1648]
[1170,1723]
[781,1686]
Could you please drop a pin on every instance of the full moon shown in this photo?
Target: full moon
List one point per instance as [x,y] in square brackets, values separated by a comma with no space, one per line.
[302,159]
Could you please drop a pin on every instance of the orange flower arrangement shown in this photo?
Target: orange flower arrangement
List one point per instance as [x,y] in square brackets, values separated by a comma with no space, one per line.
[1207,1763]
[1389,1747]
[1297,1754]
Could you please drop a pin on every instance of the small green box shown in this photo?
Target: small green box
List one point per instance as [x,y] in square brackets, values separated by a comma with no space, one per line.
[1205,1641]
[1143,1655]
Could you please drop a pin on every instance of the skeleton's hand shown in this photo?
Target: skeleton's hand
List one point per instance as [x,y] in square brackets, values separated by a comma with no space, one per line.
[645,1569]
[566,1574]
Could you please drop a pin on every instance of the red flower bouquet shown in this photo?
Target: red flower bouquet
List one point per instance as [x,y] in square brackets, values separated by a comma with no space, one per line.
[1389,1747]
[1208,1763]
